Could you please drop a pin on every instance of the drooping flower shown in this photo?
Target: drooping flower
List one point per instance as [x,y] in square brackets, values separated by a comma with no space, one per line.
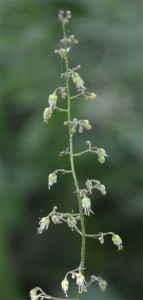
[47,114]
[101,155]
[52,99]
[44,224]
[117,241]
[33,294]
[52,178]
[81,283]
[86,205]
[65,285]
[78,82]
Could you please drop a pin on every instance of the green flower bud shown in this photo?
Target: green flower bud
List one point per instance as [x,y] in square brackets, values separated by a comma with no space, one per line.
[117,241]
[71,221]
[102,189]
[77,79]
[86,124]
[91,96]
[101,159]
[52,178]
[62,53]
[75,42]
[101,151]
[73,129]
[52,99]
[47,114]
[89,184]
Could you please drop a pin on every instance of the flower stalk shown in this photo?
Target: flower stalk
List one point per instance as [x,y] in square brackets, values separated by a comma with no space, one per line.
[71,154]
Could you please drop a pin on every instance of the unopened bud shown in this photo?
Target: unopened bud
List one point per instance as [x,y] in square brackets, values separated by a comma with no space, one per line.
[101,151]
[91,96]
[117,241]
[52,178]
[86,124]
[71,221]
[77,79]
[102,189]
[101,159]
[73,129]
[62,53]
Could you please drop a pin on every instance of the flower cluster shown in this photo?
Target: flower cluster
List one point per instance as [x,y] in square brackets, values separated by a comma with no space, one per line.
[64,16]
[78,123]
[95,184]
[57,218]
[80,281]
[52,101]
[101,155]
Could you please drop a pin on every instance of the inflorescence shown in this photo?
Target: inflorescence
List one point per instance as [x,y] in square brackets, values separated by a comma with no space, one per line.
[75,221]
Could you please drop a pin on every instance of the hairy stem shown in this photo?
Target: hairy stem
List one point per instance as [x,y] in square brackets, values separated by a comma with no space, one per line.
[72,160]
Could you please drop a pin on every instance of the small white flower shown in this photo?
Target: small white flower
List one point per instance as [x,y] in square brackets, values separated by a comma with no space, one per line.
[86,205]
[44,224]
[53,99]
[80,281]
[78,81]
[56,219]
[65,286]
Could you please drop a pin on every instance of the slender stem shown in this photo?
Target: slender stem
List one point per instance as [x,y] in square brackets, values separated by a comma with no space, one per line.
[72,160]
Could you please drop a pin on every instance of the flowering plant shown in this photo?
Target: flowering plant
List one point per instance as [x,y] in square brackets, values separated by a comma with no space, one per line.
[75,221]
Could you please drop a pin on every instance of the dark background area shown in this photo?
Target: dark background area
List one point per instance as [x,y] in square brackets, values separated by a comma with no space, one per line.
[110,53]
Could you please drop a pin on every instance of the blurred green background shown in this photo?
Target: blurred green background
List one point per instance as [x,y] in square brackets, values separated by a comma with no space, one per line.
[110,53]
